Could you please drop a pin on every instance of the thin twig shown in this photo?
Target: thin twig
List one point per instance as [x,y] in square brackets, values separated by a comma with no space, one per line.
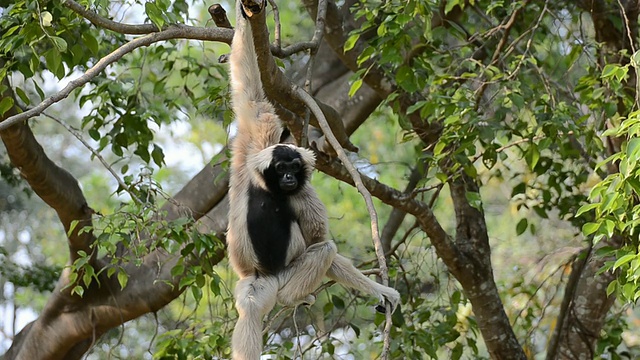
[503,42]
[633,50]
[297,331]
[384,273]
[627,26]
[276,19]
[477,157]
[106,165]
[570,291]
[313,50]
[97,20]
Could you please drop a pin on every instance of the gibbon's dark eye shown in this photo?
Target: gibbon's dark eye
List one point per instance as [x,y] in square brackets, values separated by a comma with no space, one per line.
[281,168]
[296,165]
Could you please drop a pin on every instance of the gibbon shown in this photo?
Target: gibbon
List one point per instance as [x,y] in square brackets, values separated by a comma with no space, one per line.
[277,224]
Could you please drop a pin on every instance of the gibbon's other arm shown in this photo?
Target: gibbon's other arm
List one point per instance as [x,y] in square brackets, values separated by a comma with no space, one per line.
[255,115]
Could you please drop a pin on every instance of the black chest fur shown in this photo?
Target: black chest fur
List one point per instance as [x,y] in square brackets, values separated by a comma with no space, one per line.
[269,220]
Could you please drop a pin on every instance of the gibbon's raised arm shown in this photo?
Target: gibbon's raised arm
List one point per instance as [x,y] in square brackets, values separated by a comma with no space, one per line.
[254,113]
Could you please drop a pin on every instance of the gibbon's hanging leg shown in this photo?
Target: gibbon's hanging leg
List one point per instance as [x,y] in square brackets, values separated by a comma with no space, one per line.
[255,297]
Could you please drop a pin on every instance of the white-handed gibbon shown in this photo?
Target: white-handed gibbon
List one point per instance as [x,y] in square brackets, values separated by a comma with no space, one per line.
[277,225]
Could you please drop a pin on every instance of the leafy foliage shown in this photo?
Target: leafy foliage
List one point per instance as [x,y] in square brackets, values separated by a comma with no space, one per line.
[510,96]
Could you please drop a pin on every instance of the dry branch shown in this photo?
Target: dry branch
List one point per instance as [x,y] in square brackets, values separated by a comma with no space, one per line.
[219,16]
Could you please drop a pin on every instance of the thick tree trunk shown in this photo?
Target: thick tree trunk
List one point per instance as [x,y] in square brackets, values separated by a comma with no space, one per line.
[587,312]
[468,258]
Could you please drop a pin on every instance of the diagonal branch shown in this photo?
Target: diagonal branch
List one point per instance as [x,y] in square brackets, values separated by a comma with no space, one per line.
[375,228]
[173,32]
[99,21]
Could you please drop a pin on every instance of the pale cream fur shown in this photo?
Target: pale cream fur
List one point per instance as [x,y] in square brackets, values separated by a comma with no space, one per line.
[310,256]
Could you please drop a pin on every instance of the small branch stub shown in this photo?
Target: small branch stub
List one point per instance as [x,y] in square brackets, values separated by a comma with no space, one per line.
[219,16]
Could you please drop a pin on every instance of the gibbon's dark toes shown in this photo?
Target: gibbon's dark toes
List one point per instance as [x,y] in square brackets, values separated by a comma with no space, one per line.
[381,308]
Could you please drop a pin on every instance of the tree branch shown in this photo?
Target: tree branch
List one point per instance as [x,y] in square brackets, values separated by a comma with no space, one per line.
[54,185]
[99,21]
[173,32]
[280,89]
[219,16]
[355,175]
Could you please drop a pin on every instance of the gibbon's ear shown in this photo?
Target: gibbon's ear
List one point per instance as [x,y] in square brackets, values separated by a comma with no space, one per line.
[285,134]
[258,163]
[309,160]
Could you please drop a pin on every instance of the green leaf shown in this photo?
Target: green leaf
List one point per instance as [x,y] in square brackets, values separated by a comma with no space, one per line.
[197,293]
[623,260]
[157,155]
[522,226]
[59,43]
[351,42]
[123,278]
[177,270]
[584,208]
[609,70]
[365,55]
[337,302]
[610,226]
[5,105]
[406,79]
[633,149]
[590,228]
[77,290]
[90,42]
[155,14]
[53,60]
[451,4]
[418,105]
[437,150]
[382,29]
[611,288]
[95,134]
[22,95]
[354,87]
[72,227]
[532,157]
[474,200]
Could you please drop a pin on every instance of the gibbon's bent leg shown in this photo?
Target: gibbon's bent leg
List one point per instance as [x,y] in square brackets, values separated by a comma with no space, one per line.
[305,273]
[343,272]
[255,297]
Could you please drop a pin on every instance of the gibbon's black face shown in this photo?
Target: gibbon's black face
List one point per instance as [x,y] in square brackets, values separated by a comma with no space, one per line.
[286,173]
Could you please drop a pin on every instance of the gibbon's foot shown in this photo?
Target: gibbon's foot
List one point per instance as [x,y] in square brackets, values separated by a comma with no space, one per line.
[309,300]
[381,308]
